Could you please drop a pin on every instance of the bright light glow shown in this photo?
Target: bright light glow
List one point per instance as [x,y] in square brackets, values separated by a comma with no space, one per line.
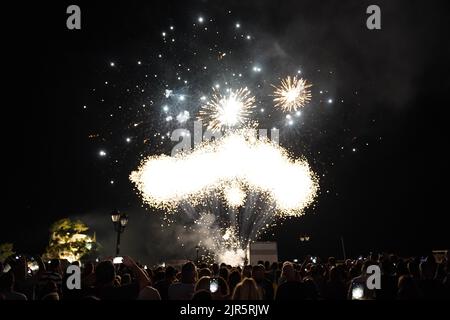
[226,111]
[234,195]
[200,19]
[257,165]
[102,153]
[292,94]
[182,117]
[357,293]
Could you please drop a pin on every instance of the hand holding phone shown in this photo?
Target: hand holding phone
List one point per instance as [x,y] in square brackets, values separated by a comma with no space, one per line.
[118,260]
[213,285]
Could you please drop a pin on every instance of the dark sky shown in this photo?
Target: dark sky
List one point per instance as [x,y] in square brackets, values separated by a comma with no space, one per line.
[379,146]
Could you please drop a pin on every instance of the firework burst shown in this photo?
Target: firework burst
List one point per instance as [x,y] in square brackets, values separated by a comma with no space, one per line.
[227,111]
[292,94]
[235,160]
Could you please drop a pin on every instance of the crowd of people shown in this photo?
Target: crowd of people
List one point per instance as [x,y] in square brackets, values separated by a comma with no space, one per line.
[311,279]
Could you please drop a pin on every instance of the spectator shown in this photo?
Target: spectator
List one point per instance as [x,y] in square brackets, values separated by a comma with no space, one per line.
[223,272]
[185,289]
[223,293]
[246,290]
[105,275]
[202,295]
[247,271]
[407,288]
[126,279]
[50,292]
[429,286]
[335,288]
[264,285]
[389,281]
[149,293]
[290,288]
[163,285]
[88,275]
[205,272]
[52,273]
[215,270]
[202,284]
[7,287]
[358,286]
[233,279]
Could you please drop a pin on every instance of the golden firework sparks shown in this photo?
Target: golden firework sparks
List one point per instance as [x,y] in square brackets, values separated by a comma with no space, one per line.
[292,94]
[227,111]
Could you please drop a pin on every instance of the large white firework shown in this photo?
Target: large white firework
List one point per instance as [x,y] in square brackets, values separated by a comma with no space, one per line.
[227,165]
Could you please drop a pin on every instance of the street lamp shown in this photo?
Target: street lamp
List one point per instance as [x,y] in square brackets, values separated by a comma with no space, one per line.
[304,238]
[120,221]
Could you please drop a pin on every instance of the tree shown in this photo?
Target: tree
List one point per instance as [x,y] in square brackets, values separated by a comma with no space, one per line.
[69,240]
[6,250]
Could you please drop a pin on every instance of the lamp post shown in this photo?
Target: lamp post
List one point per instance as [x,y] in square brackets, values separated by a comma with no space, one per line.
[120,221]
[197,248]
[304,239]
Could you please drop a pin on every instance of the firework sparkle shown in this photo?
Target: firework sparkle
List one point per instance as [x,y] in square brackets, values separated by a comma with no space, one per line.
[227,111]
[292,94]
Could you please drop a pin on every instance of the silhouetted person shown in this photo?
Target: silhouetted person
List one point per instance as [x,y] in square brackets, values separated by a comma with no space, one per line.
[106,287]
[290,288]
[52,273]
[233,279]
[335,287]
[202,295]
[408,289]
[185,289]
[246,290]
[7,287]
[266,287]
[429,286]
[163,285]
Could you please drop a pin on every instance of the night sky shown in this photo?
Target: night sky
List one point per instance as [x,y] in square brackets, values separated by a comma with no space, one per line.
[87,107]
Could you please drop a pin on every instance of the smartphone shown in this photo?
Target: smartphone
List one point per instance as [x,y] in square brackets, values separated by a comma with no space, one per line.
[118,260]
[213,285]
[357,293]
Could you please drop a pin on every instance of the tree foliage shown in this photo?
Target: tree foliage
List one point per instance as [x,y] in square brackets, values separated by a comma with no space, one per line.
[6,250]
[70,240]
